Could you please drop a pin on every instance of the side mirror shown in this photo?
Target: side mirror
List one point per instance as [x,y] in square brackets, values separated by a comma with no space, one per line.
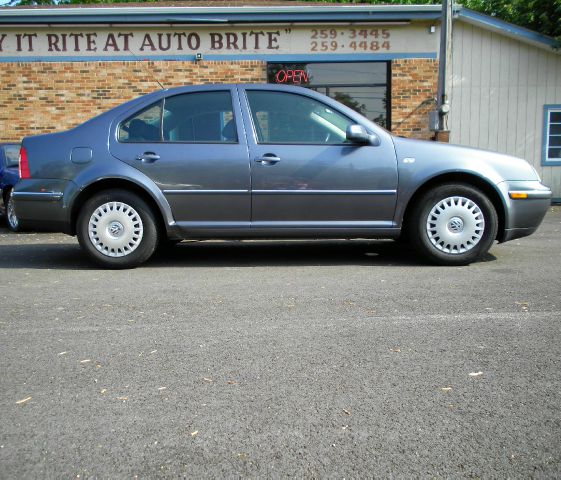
[358,134]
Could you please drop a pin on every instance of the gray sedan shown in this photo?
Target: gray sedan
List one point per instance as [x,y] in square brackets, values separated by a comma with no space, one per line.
[266,161]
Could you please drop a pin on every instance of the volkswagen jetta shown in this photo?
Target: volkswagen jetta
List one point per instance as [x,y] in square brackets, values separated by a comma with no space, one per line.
[266,161]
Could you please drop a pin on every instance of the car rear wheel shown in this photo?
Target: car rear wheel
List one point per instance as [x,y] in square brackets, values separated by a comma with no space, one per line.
[13,222]
[117,229]
[453,224]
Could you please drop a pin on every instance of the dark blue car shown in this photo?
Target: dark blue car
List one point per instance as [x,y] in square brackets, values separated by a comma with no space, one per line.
[9,176]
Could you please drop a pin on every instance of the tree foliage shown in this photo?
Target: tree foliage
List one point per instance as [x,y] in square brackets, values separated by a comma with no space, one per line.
[543,16]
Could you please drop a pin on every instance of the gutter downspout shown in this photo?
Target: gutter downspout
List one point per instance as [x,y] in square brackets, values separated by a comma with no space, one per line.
[445,54]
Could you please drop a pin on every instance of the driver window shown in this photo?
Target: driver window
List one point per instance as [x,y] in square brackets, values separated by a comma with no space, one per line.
[281,117]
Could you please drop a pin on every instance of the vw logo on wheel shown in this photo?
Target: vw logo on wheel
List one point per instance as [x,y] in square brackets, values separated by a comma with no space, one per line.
[116,229]
[456,225]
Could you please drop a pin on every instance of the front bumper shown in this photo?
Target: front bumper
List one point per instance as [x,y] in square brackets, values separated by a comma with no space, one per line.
[527,203]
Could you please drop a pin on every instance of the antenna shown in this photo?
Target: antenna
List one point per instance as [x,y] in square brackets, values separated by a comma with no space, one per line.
[142,63]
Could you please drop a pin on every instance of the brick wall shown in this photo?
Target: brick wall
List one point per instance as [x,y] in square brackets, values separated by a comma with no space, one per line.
[49,97]
[414,90]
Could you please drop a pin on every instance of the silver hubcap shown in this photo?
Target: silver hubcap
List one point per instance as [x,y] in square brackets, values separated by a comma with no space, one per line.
[455,225]
[115,229]
[11,213]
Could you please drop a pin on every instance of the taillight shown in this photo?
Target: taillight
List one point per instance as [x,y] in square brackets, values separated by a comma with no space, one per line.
[23,164]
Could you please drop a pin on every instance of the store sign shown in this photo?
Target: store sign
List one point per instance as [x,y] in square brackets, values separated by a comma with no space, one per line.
[289,74]
[115,43]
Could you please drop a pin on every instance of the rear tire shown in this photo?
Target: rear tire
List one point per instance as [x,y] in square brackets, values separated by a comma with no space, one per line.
[117,229]
[11,217]
[453,224]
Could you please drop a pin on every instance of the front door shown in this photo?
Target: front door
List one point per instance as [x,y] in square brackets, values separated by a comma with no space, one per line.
[304,172]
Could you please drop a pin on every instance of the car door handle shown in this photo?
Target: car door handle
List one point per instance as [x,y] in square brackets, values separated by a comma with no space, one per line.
[268,159]
[148,157]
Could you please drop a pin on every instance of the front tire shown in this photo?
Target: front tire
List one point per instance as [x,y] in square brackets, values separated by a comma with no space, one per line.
[13,222]
[117,229]
[453,224]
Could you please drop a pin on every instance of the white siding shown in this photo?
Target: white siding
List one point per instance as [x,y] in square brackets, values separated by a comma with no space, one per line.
[497,92]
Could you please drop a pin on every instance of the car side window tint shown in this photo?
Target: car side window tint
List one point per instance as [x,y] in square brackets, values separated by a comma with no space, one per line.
[201,117]
[144,126]
[281,117]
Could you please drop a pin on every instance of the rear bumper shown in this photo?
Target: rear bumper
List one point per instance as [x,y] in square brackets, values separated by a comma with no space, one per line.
[527,203]
[41,204]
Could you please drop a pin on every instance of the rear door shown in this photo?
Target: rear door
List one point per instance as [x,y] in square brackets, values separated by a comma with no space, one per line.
[193,147]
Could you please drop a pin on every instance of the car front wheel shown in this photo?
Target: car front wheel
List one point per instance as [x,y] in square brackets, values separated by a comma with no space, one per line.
[117,229]
[453,224]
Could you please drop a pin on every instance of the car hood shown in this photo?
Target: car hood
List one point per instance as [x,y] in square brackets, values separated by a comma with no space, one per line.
[443,157]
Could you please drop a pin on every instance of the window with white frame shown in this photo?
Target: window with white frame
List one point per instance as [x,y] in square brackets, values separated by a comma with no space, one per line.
[552,135]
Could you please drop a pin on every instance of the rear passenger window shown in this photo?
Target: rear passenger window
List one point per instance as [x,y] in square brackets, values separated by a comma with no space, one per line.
[143,126]
[202,117]
[205,117]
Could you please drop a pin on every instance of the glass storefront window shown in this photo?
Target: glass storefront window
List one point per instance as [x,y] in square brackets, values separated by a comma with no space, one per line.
[362,86]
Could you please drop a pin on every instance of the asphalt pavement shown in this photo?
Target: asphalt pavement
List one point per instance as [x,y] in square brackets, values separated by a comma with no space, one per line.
[322,359]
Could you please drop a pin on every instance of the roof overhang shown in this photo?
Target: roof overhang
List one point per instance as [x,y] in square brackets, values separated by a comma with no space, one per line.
[318,13]
[212,15]
[504,28]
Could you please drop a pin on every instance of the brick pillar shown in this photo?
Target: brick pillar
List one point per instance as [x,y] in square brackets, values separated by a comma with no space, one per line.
[443,137]
[414,90]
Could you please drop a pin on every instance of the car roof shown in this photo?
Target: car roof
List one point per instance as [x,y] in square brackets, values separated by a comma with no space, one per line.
[227,86]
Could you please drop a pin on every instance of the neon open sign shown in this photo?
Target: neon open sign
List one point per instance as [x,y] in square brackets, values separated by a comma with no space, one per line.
[293,77]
